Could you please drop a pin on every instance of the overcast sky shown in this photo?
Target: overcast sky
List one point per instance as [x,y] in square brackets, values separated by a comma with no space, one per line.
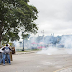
[55,16]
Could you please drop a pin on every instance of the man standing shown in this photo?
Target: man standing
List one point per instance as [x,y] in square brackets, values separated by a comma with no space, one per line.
[6,54]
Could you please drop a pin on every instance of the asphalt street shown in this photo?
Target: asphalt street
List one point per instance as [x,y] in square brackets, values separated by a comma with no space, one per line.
[33,62]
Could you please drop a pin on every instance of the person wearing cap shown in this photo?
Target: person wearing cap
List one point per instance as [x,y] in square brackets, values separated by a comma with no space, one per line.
[6,54]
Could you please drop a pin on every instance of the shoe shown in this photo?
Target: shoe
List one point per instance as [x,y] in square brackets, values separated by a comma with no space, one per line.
[9,63]
[3,64]
[0,63]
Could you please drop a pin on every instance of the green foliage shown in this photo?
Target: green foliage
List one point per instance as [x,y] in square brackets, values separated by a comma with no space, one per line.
[25,36]
[16,15]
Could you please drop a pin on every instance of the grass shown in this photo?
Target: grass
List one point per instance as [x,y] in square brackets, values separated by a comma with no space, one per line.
[29,50]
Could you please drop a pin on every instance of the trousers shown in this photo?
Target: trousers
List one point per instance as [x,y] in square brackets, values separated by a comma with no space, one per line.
[4,57]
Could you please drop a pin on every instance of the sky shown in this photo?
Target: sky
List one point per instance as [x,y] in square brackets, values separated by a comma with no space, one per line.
[54,17]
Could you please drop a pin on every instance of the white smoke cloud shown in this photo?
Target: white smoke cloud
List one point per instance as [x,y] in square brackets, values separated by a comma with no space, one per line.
[48,51]
[66,41]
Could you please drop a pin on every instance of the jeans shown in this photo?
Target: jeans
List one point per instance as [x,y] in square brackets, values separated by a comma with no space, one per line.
[1,59]
[4,57]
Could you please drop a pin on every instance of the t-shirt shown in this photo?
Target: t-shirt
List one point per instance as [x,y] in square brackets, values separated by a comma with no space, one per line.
[6,49]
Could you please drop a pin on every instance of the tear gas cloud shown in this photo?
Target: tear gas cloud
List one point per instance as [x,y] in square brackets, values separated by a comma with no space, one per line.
[51,44]
[66,41]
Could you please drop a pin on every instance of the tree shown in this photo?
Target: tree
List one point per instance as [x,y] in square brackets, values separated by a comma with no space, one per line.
[16,15]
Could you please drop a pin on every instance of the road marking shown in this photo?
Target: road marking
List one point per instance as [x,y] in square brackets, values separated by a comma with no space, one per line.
[61,69]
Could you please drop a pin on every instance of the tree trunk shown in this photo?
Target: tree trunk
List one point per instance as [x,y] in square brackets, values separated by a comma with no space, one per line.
[0,39]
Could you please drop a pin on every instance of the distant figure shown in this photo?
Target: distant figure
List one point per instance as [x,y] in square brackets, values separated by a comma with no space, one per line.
[6,54]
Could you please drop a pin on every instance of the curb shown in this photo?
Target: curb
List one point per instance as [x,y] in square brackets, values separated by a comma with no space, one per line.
[19,53]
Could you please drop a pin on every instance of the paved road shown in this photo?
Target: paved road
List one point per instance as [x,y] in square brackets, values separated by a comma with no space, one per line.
[33,62]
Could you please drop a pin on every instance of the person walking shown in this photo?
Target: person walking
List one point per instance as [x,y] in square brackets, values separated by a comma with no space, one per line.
[6,54]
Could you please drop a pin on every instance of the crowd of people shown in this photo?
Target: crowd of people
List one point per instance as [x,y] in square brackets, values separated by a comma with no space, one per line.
[5,53]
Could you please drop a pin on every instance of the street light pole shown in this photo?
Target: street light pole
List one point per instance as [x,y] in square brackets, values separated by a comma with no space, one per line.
[23,41]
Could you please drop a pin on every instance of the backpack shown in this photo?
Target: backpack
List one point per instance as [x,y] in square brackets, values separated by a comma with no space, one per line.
[6,50]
